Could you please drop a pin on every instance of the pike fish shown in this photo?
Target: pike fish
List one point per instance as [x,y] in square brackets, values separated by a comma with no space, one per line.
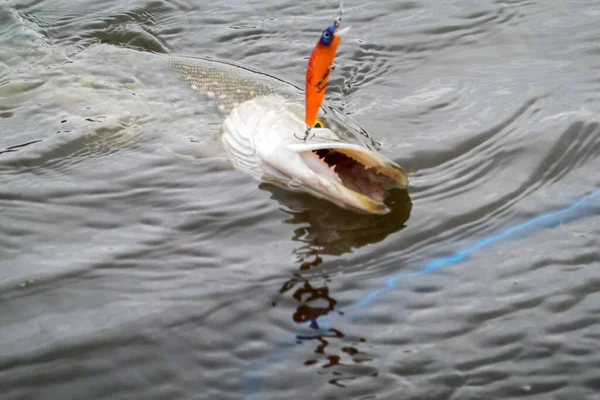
[264,122]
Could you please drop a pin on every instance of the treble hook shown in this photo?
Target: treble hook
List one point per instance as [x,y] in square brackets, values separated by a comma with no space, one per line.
[306,133]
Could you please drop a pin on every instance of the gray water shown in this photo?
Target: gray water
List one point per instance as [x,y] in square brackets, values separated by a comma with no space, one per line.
[133,267]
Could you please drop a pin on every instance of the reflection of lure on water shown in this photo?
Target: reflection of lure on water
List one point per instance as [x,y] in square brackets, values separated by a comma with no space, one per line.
[320,66]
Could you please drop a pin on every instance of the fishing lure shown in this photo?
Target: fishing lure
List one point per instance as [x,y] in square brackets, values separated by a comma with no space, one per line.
[320,67]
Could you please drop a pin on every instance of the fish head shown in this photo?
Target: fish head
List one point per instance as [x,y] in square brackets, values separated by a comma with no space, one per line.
[266,138]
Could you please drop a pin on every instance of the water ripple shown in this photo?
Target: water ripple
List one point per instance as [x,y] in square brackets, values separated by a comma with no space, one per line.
[134,265]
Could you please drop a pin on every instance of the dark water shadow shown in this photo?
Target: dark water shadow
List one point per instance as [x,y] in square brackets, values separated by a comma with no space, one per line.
[324,229]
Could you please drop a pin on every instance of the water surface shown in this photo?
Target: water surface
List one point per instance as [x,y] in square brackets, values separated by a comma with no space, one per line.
[132,266]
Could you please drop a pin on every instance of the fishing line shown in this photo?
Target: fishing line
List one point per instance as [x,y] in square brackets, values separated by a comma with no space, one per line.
[323,323]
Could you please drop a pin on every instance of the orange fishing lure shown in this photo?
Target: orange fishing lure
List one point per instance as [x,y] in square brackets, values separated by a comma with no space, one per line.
[320,66]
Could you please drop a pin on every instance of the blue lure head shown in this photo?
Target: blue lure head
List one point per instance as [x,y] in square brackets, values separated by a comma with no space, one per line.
[327,36]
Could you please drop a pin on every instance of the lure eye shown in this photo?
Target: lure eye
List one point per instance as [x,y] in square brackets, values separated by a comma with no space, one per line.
[319,124]
[326,37]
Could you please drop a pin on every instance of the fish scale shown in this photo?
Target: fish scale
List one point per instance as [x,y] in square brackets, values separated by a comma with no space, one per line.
[220,82]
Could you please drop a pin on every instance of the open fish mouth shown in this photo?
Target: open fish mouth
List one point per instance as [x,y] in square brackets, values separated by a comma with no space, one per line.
[356,178]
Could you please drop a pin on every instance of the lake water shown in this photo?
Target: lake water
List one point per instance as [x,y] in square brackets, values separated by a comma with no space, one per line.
[133,268]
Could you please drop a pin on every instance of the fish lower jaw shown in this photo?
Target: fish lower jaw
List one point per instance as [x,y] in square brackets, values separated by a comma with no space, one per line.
[360,203]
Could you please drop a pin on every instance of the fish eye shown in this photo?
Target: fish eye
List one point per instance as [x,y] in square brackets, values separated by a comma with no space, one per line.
[319,124]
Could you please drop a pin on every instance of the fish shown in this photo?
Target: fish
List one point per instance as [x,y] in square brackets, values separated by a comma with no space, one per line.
[263,116]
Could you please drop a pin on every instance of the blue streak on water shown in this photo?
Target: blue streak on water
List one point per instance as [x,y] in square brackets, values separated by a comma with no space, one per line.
[323,323]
